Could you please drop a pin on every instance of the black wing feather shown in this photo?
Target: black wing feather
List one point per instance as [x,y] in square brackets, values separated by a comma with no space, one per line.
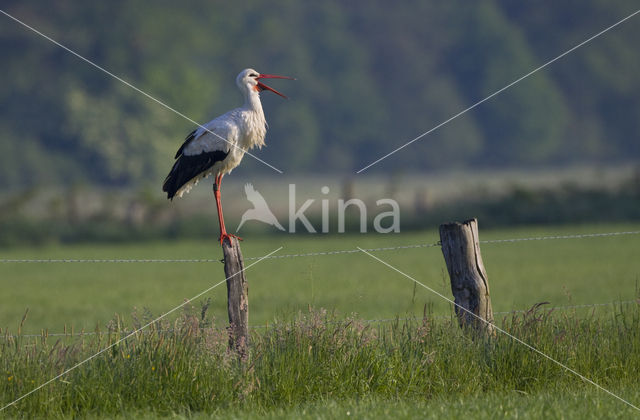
[188,167]
[187,140]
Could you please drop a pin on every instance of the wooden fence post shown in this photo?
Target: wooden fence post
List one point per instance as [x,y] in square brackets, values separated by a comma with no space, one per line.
[469,282]
[237,296]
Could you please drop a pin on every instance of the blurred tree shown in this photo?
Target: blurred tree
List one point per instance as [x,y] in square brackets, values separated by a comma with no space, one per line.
[371,77]
[524,124]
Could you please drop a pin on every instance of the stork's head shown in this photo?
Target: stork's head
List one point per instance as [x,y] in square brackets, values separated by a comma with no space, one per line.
[249,80]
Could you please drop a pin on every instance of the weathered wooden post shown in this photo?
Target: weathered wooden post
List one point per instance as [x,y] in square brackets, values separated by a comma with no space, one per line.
[237,296]
[469,282]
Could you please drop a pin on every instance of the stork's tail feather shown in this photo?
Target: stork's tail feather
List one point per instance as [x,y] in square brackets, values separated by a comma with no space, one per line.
[171,184]
[189,168]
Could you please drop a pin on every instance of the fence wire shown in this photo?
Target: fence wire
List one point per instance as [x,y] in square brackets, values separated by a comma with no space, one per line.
[307,254]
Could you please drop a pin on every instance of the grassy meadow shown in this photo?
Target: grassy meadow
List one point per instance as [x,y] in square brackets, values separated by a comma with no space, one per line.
[317,365]
[85,295]
[306,361]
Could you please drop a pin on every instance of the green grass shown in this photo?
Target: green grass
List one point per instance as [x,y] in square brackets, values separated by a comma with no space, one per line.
[86,295]
[493,405]
[317,365]
[580,404]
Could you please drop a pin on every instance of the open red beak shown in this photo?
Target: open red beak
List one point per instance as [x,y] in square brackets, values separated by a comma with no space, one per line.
[262,86]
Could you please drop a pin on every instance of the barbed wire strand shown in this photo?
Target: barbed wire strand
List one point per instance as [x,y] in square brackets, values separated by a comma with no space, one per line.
[307,254]
[573,236]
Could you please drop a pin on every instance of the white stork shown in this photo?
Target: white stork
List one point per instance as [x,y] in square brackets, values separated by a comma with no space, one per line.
[219,145]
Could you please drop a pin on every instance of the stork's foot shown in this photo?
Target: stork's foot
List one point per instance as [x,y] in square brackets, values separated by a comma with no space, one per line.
[228,236]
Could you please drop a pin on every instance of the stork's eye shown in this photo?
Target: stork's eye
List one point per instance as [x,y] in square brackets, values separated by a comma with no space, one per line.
[253,75]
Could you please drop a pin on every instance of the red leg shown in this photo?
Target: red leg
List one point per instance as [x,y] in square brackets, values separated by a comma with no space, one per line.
[217,193]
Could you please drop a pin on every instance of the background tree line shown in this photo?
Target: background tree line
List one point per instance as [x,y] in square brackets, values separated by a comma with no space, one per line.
[371,76]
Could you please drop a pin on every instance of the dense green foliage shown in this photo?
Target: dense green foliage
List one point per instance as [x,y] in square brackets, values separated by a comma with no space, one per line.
[185,367]
[371,76]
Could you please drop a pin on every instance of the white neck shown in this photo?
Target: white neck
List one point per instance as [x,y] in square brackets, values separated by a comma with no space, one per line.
[253,119]
[252,101]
